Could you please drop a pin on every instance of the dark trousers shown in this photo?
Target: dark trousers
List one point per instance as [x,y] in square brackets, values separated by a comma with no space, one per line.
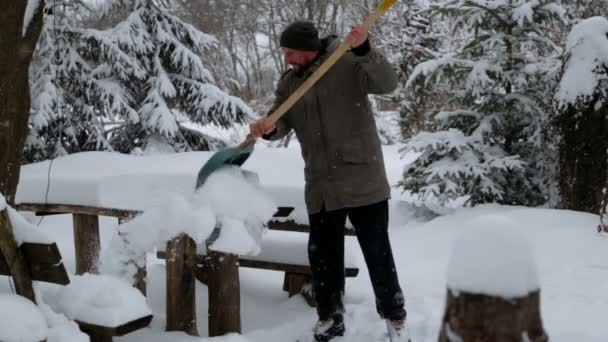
[326,256]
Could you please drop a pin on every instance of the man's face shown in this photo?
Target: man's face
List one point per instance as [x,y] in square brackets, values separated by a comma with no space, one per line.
[298,59]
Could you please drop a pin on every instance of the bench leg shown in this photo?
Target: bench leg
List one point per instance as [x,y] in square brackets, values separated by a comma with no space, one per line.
[86,242]
[295,284]
[224,293]
[181,291]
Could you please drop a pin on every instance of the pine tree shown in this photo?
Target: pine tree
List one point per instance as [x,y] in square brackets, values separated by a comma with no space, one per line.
[409,38]
[147,75]
[501,72]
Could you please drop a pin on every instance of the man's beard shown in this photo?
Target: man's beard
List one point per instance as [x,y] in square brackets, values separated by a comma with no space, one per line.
[298,67]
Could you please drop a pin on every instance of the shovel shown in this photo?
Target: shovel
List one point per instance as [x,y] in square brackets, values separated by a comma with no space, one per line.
[239,154]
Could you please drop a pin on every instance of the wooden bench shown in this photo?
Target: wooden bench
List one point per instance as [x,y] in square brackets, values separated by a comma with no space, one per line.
[298,275]
[182,269]
[44,261]
[46,265]
[99,333]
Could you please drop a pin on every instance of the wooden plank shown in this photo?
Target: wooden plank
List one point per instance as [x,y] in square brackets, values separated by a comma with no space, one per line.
[224,293]
[289,268]
[292,226]
[98,330]
[181,294]
[44,262]
[268,265]
[52,208]
[14,259]
[283,211]
[86,242]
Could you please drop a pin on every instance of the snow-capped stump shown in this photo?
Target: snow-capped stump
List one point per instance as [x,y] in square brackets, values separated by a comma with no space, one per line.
[493,288]
[21,320]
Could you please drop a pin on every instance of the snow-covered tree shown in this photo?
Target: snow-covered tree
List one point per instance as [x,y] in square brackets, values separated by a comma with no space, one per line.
[581,111]
[409,38]
[146,76]
[583,9]
[500,72]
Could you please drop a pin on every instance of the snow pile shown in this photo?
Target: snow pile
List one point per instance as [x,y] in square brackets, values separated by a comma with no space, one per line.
[99,299]
[20,320]
[24,231]
[61,329]
[493,259]
[587,47]
[230,199]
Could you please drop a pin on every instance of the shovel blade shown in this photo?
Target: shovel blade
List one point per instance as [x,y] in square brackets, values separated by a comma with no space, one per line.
[229,156]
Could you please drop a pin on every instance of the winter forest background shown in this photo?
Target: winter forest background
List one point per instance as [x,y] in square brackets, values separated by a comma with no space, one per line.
[505,101]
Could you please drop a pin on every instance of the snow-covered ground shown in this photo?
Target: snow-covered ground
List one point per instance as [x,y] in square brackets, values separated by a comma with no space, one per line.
[572,263]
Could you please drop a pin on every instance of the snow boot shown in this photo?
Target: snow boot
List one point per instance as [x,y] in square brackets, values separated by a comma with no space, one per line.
[398,331]
[325,330]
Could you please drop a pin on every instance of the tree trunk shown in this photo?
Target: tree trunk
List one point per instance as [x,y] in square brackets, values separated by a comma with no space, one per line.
[583,166]
[14,259]
[473,317]
[603,227]
[16,53]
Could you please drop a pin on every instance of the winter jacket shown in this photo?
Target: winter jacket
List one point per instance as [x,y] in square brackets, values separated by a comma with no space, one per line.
[334,123]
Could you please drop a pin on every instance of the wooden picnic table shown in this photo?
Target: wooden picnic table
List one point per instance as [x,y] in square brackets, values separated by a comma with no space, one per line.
[183,266]
[224,296]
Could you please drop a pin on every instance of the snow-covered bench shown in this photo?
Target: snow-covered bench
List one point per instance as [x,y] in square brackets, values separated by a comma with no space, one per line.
[103,307]
[284,251]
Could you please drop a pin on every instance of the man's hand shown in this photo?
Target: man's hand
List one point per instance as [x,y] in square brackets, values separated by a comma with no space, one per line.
[260,127]
[357,36]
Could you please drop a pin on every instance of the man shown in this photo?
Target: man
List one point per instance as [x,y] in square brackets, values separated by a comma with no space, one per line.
[344,168]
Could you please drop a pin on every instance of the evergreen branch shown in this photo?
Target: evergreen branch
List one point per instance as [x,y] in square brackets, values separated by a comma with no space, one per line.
[492,13]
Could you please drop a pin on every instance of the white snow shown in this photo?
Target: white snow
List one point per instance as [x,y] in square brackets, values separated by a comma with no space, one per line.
[587,46]
[30,11]
[20,320]
[493,259]
[99,299]
[2,202]
[524,12]
[61,329]
[25,231]
[571,257]
[134,182]
[230,199]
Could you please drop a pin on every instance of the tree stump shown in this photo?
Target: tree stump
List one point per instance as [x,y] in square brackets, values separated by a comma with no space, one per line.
[493,287]
[482,318]
[181,291]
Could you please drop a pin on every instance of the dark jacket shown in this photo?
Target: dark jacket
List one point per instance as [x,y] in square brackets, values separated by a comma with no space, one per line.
[344,165]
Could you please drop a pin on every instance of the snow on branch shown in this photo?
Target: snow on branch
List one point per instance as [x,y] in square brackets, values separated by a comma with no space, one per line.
[587,63]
